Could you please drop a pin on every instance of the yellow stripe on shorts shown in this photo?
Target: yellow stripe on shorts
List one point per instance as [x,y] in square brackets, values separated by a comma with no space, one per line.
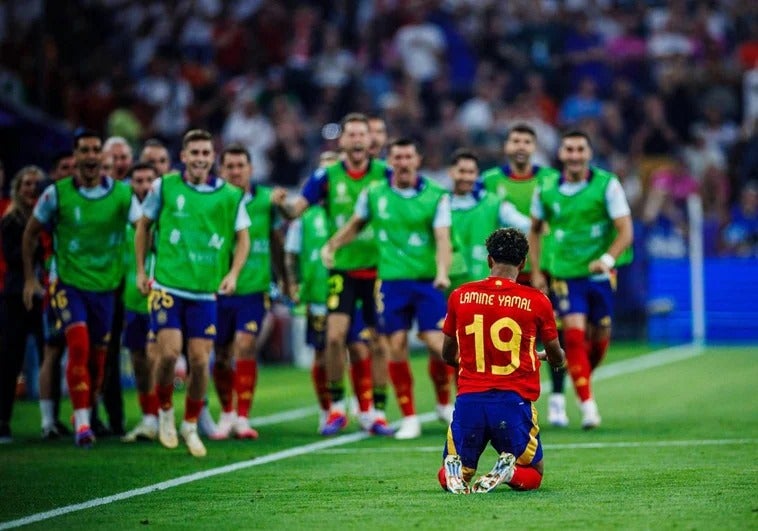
[527,456]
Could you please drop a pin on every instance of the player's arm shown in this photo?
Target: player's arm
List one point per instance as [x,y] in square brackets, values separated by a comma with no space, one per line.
[342,237]
[511,217]
[294,208]
[28,247]
[450,351]
[348,231]
[314,190]
[535,242]
[619,211]
[141,245]
[553,354]
[443,256]
[241,251]
[292,250]
[276,244]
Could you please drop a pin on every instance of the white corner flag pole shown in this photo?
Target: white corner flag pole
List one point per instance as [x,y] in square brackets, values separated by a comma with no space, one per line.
[697,275]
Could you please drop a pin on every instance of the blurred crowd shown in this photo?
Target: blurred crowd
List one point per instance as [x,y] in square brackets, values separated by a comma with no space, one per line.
[668,90]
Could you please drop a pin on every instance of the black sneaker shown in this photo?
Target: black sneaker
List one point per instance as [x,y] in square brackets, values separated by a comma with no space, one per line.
[61,428]
[50,434]
[99,429]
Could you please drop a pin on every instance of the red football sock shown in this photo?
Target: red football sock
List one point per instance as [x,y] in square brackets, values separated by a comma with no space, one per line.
[77,371]
[442,375]
[148,403]
[578,362]
[165,394]
[525,478]
[598,351]
[402,380]
[318,375]
[223,379]
[245,375]
[360,375]
[192,409]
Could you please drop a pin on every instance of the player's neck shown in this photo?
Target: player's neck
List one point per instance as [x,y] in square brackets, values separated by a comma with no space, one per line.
[88,182]
[504,271]
[405,184]
[577,177]
[357,166]
[520,170]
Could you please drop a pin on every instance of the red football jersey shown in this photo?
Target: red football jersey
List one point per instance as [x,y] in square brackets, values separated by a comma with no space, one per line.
[497,323]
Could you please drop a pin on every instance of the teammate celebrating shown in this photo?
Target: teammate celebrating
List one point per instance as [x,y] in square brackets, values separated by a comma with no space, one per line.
[491,329]
[202,225]
[591,228]
[515,182]
[351,282]
[137,330]
[88,213]
[64,165]
[241,314]
[411,219]
[476,214]
[155,153]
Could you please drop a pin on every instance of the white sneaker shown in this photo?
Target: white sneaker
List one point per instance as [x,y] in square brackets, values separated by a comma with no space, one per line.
[224,427]
[366,420]
[146,430]
[205,422]
[242,429]
[445,413]
[410,428]
[502,472]
[191,437]
[590,414]
[322,415]
[556,410]
[454,475]
[352,406]
[167,428]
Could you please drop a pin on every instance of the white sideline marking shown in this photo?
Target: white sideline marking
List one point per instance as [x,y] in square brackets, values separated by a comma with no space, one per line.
[654,359]
[554,447]
[284,416]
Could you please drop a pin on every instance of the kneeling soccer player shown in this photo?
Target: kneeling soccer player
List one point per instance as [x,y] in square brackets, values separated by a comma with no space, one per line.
[491,329]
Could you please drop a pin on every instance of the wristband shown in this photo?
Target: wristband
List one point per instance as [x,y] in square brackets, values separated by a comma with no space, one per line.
[608,260]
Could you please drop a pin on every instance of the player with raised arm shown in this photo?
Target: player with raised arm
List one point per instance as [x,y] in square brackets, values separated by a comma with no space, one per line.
[411,219]
[353,276]
[240,315]
[515,182]
[201,246]
[491,331]
[138,338]
[591,228]
[87,213]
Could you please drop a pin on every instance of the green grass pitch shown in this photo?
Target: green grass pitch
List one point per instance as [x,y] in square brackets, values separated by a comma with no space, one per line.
[678,449]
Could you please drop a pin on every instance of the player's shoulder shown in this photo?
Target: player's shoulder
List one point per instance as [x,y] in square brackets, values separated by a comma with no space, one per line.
[546,172]
[492,173]
[533,293]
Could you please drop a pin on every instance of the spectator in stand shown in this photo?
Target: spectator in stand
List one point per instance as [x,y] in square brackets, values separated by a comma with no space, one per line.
[583,104]
[740,237]
[19,322]
[655,139]
[169,97]
[247,125]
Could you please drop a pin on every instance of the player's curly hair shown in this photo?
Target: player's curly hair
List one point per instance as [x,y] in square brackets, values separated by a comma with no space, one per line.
[507,246]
